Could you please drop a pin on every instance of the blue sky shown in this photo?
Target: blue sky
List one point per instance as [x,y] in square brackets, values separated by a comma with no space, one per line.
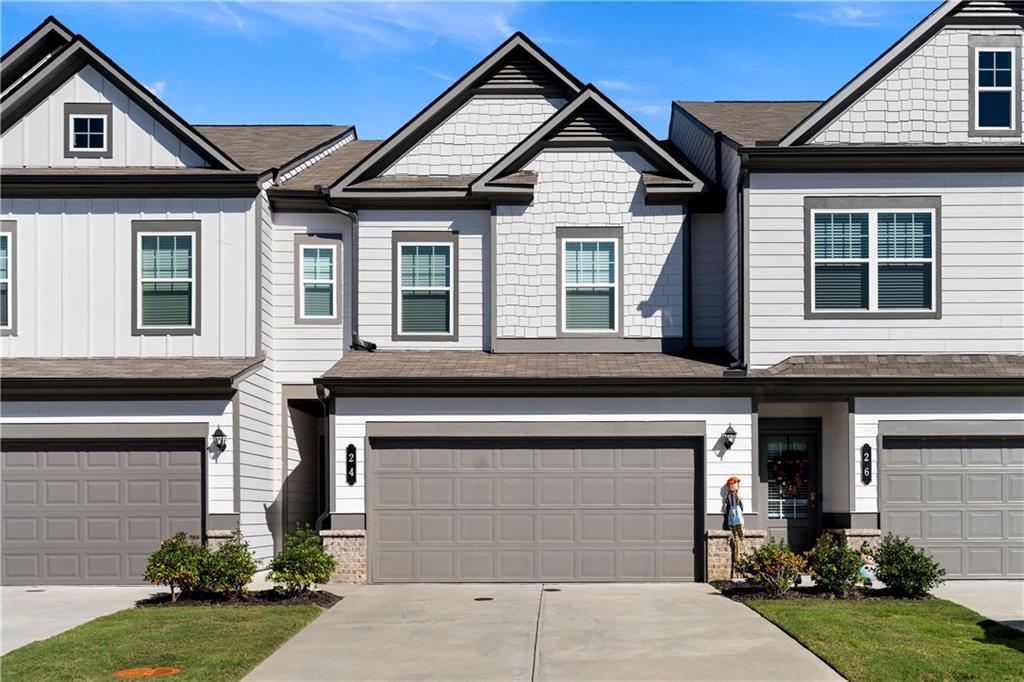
[377,64]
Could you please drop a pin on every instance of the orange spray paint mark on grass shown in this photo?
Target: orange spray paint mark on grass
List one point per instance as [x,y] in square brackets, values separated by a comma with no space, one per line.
[157,671]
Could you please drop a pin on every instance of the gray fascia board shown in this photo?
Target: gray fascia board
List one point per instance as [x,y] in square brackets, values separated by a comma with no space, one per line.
[81,49]
[447,99]
[818,118]
[125,430]
[982,428]
[859,158]
[527,429]
[24,48]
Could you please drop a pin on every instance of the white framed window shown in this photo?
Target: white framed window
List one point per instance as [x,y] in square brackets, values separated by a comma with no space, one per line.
[873,260]
[317,290]
[590,285]
[87,132]
[995,78]
[6,284]
[166,285]
[425,298]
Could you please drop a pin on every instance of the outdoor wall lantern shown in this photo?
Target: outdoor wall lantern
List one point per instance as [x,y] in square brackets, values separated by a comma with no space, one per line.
[729,437]
[220,439]
[350,464]
[865,464]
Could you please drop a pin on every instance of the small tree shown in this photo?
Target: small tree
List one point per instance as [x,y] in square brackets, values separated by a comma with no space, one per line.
[230,567]
[834,568]
[905,569]
[302,562]
[772,566]
[177,563]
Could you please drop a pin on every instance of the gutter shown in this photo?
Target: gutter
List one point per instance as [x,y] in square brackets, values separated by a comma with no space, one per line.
[824,159]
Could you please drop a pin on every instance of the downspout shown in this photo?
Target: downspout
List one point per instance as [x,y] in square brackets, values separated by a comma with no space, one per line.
[742,230]
[353,217]
[323,395]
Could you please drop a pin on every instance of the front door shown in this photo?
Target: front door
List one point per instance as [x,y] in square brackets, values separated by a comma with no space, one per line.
[791,473]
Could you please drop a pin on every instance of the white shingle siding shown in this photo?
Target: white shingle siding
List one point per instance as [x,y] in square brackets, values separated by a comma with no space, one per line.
[74,277]
[589,188]
[925,100]
[376,279]
[37,140]
[476,136]
[352,415]
[872,410]
[982,274]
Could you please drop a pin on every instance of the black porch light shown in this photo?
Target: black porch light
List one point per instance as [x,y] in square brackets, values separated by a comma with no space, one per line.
[729,437]
[220,439]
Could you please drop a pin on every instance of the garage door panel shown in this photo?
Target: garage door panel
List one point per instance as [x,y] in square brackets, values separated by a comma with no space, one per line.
[92,512]
[961,516]
[498,511]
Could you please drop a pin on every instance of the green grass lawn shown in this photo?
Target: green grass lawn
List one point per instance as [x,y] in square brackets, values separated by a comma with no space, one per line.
[901,639]
[210,643]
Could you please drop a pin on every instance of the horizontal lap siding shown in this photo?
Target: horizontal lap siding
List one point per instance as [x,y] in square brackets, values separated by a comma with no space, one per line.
[982,274]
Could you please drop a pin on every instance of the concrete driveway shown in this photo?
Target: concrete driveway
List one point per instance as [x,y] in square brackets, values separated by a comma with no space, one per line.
[998,600]
[31,613]
[541,632]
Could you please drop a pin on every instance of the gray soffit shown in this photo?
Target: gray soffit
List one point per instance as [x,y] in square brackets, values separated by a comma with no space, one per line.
[924,159]
[747,123]
[125,182]
[269,147]
[874,72]
[69,60]
[448,102]
[27,53]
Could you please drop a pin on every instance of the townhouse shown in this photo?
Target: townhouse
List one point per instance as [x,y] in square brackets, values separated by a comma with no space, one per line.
[522,339]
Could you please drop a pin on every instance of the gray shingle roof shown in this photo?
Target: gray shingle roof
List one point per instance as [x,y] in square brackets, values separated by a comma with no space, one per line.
[898,366]
[262,147]
[328,169]
[128,369]
[751,122]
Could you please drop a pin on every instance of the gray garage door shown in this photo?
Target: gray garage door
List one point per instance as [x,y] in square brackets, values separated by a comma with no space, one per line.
[557,510]
[91,512]
[961,499]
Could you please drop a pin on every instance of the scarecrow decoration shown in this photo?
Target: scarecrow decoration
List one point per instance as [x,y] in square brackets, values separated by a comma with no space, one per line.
[788,470]
[734,516]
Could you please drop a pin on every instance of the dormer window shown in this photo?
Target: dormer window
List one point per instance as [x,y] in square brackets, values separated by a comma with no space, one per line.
[995,109]
[87,131]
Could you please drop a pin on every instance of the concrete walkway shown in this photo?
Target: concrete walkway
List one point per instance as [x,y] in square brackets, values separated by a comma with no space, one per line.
[535,632]
[998,600]
[31,613]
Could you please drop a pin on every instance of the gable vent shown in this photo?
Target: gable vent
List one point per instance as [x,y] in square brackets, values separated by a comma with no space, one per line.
[591,125]
[520,71]
[990,9]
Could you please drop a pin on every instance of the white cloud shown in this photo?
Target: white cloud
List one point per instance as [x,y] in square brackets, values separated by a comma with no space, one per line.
[439,75]
[854,15]
[612,84]
[650,109]
[158,88]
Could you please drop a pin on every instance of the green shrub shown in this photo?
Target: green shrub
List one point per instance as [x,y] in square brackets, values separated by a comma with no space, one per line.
[302,562]
[177,563]
[773,567]
[905,569]
[229,568]
[834,568]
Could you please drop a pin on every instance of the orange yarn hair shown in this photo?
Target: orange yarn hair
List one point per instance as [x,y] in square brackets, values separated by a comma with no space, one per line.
[734,479]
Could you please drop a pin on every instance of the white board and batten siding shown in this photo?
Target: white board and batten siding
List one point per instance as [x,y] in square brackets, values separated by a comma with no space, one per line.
[870,411]
[353,414]
[138,140]
[74,277]
[590,188]
[982,267]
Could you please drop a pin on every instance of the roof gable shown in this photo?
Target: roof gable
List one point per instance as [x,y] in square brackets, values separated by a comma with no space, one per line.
[45,39]
[516,67]
[591,119]
[961,11]
[20,99]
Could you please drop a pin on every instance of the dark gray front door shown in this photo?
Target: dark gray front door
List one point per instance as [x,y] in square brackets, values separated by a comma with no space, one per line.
[791,470]
[91,512]
[961,499]
[533,510]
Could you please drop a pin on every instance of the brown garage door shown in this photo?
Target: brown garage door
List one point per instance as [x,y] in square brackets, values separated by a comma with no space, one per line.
[538,510]
[961,499]
[91,512]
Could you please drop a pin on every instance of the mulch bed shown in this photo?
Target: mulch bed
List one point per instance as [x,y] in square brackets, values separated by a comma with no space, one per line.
[320,598]
[739,590]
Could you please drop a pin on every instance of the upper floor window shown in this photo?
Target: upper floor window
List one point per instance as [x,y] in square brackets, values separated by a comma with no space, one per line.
[166,277]
[995,89]
[317,291]
[589,285]
[7,296]
[873,260]
[425,293]
[88,130]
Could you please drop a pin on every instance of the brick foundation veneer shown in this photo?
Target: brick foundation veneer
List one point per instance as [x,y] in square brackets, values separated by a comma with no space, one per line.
[719,552]
[348,547]
[857,537]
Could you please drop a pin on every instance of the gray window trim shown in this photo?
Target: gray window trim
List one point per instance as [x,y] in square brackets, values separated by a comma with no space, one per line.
[563,233]
[10,228]
[104,430]
[194,226]
[982,41]
[865,203]
[397,238]
[80,109]
[333,240]
[981,428]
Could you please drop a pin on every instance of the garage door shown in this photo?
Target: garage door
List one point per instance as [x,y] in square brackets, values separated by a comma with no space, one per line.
[517,511]
[961,499]
[91,512]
